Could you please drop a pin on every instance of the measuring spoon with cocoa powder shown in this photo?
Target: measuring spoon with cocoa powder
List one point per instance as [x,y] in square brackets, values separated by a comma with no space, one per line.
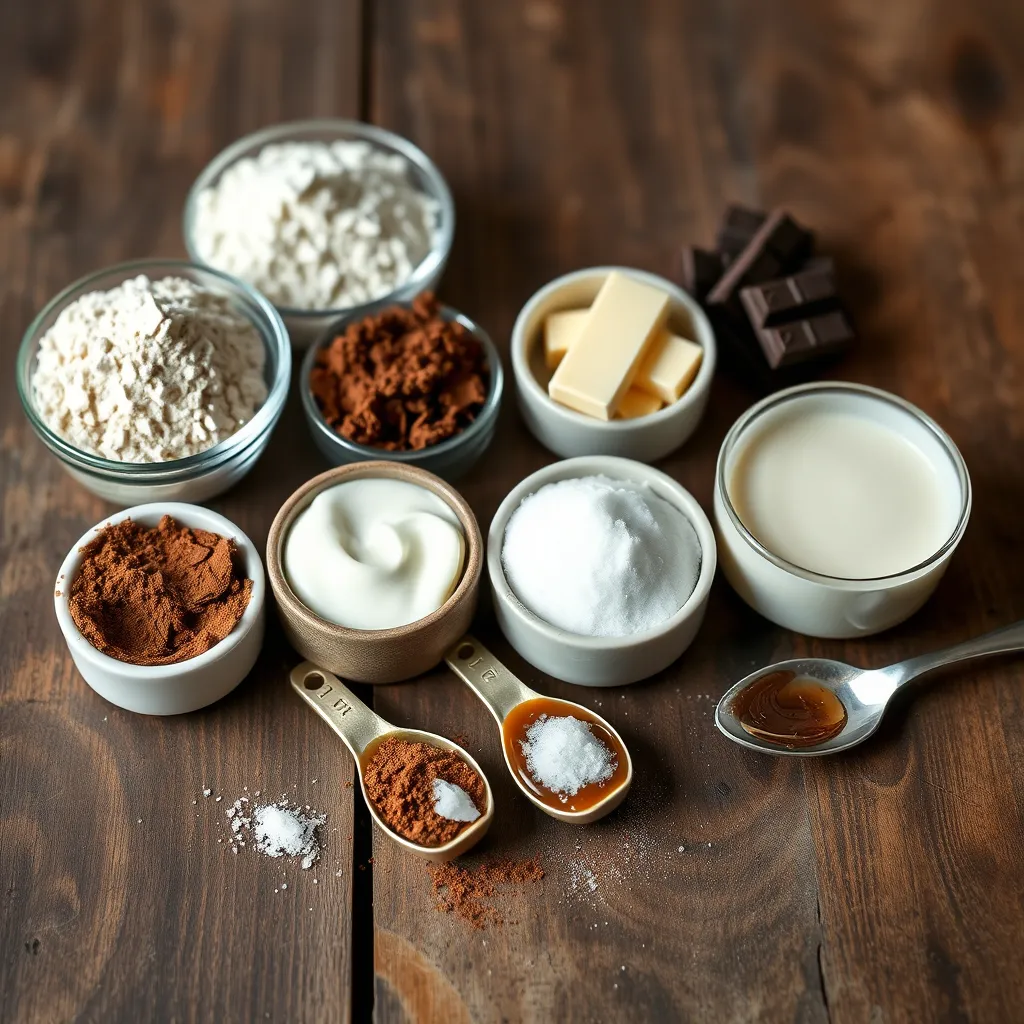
[362,731]
[515,707]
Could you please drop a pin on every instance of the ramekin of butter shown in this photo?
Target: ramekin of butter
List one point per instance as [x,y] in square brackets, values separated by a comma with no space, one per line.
[376,570]
[626,569]
[179,686]
[612,361]
[838,507]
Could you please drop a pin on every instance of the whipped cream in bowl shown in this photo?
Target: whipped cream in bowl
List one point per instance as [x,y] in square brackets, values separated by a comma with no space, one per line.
[376,570]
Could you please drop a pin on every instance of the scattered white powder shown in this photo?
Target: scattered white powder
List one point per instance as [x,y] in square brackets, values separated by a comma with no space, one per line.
[277,830]
[600,557]
[149,371]
[563,754]
[453,802]
[315,225]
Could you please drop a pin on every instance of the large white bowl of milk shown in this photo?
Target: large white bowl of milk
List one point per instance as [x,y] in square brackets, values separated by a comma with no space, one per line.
[838,507]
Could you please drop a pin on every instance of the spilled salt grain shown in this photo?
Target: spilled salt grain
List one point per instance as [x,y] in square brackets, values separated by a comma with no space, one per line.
[563,754]
[453,802]
[283,831]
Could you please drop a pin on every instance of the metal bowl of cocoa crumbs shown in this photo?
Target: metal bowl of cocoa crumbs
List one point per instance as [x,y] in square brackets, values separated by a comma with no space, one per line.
[417,383]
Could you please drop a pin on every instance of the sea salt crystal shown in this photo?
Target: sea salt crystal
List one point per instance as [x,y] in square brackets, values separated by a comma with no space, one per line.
[453,802]
[563,754]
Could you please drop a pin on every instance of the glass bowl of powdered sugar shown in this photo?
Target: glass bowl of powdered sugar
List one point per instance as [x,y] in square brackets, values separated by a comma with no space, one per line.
[155,380]
[325,217]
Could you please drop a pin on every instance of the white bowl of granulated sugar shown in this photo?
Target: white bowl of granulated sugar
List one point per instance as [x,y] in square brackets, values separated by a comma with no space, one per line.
[326,218]
[601,569]
[155,380]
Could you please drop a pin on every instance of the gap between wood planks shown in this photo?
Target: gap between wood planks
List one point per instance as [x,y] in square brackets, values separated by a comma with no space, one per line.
[361,996]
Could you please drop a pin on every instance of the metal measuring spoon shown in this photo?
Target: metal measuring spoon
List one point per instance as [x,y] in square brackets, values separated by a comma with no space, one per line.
[506,695]
[864,693]
[362,730]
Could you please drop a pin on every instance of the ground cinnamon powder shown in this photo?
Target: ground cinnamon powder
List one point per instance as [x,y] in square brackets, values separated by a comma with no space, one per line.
[465,891]
[157,595]
[400,784]
[401,380]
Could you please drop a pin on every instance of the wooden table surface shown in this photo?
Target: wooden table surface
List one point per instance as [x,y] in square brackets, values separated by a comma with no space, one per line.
[882,886]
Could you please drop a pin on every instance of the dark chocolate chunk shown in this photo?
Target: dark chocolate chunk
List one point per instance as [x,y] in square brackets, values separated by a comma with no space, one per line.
[701,269]
[809,293]
[738,227]
[779,247]
[800,340]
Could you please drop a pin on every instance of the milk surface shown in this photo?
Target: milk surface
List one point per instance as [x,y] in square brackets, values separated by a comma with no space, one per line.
[839,494]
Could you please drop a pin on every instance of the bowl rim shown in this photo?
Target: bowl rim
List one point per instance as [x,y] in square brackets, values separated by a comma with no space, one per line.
[345,129]
[272,332]
[484,419]
[618,468]
[528,383]
[292,608]
[186,514]
[865,391]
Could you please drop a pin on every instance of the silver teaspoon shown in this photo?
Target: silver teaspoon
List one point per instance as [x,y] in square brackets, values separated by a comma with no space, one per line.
[813,706]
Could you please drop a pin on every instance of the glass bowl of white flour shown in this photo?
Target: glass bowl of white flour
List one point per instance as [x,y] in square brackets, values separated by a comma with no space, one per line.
[325,218]
[155,380]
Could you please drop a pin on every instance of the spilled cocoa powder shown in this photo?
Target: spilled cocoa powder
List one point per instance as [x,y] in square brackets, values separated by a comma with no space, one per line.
[466,892]
[157,595]
[400,784]
[402,379]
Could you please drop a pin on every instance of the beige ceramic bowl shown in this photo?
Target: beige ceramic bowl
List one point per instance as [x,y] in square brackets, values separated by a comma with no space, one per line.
[376,655]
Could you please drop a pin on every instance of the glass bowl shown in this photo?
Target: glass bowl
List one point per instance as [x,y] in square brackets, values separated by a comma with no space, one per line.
[306,325]
[196,478]
[449,459]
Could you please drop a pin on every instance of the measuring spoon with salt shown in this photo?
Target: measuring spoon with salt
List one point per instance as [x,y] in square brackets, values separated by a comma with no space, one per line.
[362,732]
[514,707]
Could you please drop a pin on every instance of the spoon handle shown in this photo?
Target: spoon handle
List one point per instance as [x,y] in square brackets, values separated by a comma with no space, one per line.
[500,689]
[999,641]
[339,707]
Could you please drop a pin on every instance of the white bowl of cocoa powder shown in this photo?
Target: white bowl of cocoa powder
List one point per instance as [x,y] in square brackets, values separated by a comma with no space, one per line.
[162,607]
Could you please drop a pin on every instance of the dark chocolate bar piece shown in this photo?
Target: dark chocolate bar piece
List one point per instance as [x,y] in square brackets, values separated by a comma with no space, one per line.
[809,293]
[779,247]
[800,340]
[701,269]
[738,227]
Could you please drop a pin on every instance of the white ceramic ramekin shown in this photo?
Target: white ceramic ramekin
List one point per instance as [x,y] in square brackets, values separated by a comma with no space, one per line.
[824,606]
[570,433]
[186,685]
[590,660]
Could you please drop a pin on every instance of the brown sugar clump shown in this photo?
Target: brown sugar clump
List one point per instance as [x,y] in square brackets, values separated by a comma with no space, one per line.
[157,595]
[466,892]
[400,784]
[401,380]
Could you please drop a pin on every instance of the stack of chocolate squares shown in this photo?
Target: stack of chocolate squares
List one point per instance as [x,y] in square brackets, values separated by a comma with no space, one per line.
[771,300]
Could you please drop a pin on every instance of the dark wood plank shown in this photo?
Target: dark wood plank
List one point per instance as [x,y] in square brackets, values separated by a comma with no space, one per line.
[884,885]
[107,112]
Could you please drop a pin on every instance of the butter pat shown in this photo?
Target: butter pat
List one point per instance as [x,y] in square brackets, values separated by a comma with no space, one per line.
[636,403]
[560,331]
[667,370]
[599,367]
[669,367]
